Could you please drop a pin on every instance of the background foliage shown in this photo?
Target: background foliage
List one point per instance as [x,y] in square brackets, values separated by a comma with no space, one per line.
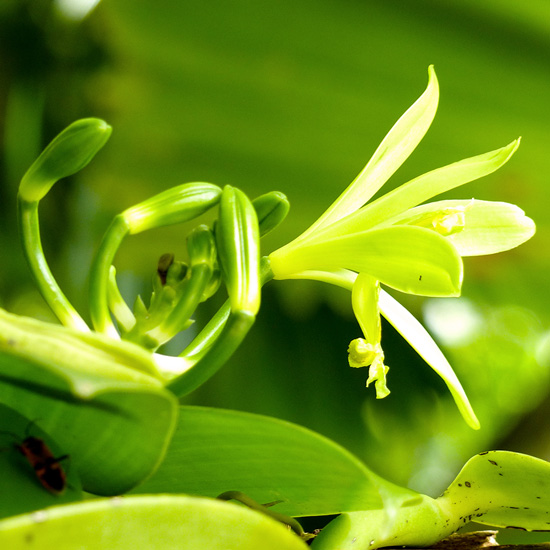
[295,96]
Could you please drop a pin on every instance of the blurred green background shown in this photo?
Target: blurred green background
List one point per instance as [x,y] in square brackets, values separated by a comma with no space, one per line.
[295,95]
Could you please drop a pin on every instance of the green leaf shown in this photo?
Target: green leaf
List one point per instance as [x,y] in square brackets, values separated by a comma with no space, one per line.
[20,485]
[395,148]
[502,489]
[97,398]
[418,337]
[214,451]
[155,522]
[497,488]
[421,189]
[410,259]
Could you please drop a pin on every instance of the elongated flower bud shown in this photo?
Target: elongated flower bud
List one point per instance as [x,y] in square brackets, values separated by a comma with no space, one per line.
[176,205]
[237,236]
[69,152]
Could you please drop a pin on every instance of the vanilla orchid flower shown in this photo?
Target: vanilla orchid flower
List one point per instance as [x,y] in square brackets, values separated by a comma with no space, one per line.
[410,248]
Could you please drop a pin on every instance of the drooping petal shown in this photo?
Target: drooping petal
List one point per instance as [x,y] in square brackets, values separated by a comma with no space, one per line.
[367,351]
[421,189]
[418,337]
[410,259]
[489,227]
[364,300]
[396,147]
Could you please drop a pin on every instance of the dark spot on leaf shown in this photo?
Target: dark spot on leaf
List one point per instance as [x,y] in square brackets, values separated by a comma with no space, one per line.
[484,453]
[467,483]
[501,474]
[420,278]
[493,462]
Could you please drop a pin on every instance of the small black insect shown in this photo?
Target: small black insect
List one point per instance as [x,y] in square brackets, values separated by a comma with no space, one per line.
[46,466]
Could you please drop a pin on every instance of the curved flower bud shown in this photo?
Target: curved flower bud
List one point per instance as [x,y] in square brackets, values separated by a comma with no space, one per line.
[271,209]
[238,236]
[69,152]
[178,204]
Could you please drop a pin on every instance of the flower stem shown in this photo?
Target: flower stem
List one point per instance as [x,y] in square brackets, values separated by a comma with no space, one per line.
[237,326]
[32,245]
[99,276]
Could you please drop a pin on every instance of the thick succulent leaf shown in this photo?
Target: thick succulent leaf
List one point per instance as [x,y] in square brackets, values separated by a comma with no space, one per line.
[214,451]
[395,148]
[113,420]
[421,189]
[410,259]
[155,522]
[489,226]
[419,338]
[502,489]
[20,484]
[497,488]
[418,524]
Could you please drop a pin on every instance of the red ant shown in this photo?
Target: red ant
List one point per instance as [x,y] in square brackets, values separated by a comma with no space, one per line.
[45,465]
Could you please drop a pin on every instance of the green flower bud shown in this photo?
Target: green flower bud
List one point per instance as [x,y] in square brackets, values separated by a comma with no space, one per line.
[69,152]
[201,246]
[271,210]
[176,205]
[238,236]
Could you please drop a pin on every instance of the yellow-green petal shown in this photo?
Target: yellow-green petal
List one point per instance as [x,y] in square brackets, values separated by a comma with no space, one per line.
[410,259]
[417,336]
[489,227]
[395,148]
[420,189]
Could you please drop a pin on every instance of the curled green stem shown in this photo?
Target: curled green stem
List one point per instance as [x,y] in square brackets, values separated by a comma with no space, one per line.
[32,245]
[99,277]
[235,329]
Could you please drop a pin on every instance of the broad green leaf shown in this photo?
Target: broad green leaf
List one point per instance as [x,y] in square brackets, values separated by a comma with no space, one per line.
[417,525]
[410,259]
[395,148]
[497,488]
[152,522]
[20,487]
[214,451]
[97,399]
[420,189]
[418,337]
[502,489]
